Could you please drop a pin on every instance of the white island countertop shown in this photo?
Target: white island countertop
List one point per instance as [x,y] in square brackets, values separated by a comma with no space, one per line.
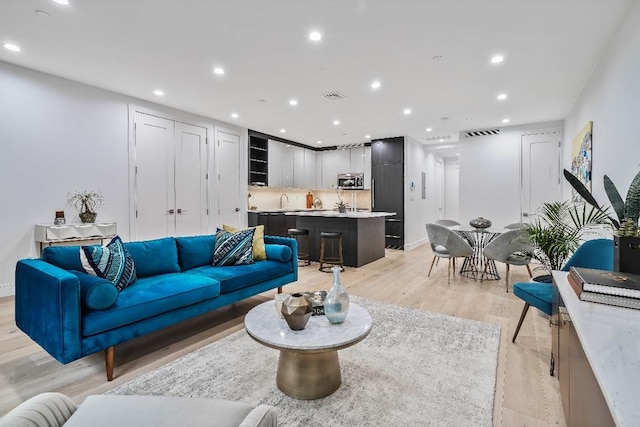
[324,213]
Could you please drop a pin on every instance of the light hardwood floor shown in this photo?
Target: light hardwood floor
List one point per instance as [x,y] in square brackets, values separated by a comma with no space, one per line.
[526,395]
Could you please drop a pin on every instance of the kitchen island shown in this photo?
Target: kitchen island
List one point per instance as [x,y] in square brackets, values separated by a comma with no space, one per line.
[363,232]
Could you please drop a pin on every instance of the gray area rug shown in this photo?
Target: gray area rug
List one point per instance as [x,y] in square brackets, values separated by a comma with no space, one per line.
[414,369]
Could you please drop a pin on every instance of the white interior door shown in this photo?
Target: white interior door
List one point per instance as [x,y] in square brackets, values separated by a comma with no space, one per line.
[229,197]
[540,171]
[452,185]
[154,177]
[439,190]
[190,179]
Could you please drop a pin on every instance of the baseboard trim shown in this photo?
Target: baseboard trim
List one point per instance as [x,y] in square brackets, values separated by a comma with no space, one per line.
[7,290]
[411,246]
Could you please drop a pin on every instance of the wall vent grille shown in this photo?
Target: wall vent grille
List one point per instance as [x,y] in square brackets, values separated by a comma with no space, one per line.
[332,96]
[482,132]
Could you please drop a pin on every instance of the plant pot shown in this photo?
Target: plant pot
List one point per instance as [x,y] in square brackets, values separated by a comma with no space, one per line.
[88,217]
[342,209]
[626,254]
[547,278]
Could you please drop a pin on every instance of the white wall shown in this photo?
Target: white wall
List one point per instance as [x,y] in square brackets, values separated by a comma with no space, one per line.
[58,136]
[418,212]
[611,99]
[490,174]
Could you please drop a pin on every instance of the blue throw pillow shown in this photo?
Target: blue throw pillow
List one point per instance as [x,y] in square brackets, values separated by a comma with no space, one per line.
[111,262]
[280,253]
[96,293]
[233,248]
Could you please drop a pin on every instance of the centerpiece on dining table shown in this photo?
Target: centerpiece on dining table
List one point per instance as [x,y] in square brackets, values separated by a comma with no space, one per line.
[480,223]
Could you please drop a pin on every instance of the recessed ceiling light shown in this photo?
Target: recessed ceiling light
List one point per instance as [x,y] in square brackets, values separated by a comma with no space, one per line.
[234,115]
[319,142]
[293,102]
[407,111]
[428,129]
[457,154]
[283,130]
[375,84]
[62,2]
[315,36]
[497,59]
[12,47]
[158,92]
[441,140]
[505,120]
[502,97]
[218,70]
[368,136]
[336,122]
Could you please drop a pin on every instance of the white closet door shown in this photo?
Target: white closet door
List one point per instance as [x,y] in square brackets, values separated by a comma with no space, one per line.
[154,183]
[190,179]
[229,197]
[540,171]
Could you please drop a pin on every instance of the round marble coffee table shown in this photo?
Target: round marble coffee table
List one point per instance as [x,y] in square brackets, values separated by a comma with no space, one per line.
[308,367]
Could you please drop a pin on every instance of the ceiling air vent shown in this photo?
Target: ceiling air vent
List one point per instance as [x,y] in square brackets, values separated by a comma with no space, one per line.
[482,132]
[332,96]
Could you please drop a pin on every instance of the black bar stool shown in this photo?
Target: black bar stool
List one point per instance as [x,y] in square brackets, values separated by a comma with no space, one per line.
[334,238]
[303,250]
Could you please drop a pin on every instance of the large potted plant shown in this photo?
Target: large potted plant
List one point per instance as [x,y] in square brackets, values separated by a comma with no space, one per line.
[626,250]
[86,203]
[555,233]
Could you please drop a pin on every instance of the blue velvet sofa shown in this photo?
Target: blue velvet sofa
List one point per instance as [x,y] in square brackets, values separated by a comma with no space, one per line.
[62,308]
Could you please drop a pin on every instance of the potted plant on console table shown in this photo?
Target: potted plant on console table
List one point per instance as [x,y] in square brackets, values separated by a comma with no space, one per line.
[86,203]
[626,249]
[555,233]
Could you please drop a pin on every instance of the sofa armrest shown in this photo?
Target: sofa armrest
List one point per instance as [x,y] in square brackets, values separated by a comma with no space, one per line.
[261,416]
[293,244]
[45,409]
[47,308]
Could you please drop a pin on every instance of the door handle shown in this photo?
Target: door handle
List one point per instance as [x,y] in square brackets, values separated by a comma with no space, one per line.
[181,211]
[237,209]
[373,193]
[171,211]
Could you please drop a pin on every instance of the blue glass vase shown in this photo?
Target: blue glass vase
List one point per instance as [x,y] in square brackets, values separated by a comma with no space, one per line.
[336,303]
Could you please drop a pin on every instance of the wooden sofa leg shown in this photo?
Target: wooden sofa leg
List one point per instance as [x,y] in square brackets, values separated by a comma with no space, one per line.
[279,289]
[108,361]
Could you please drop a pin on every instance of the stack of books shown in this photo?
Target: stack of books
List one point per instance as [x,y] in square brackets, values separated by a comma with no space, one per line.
[606,287]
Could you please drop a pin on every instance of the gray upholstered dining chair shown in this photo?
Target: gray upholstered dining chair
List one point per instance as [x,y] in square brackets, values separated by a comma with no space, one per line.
[446,243]
[515,226]
[446,222]
[505,248]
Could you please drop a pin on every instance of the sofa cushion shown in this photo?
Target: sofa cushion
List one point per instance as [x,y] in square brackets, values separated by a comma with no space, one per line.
[195,251]
[151,296]
[236,277]
[154,257]
[96,292]
[233,248]
[111,262]
[65,257]
[280,253]
[259,252]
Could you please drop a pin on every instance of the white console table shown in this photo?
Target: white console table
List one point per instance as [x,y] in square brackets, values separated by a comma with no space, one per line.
[49,234]
[610,339]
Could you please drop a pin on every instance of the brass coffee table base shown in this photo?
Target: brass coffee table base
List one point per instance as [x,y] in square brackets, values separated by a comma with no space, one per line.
[308,375]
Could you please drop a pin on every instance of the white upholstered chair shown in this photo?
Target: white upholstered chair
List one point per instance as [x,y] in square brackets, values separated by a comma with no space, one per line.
[446,243]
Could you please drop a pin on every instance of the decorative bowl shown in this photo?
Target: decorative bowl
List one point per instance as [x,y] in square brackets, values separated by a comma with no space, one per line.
[480,222]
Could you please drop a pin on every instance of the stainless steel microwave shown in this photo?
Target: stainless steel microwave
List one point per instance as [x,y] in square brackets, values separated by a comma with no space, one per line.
[351,181]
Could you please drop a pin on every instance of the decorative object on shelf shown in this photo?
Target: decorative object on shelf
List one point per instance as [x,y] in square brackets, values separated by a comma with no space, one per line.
[296,310]
[309,200]
[336,303]
[480,223]
[59,219]
[340,204]
[317,203]
[86,203]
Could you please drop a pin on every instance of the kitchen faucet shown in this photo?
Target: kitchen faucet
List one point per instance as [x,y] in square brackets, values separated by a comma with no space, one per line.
[281,202]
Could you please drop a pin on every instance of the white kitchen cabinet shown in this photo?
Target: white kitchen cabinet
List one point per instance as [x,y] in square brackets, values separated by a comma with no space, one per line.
[343,159]
[287,165]
[299,165]
[329,168]
[357,160]
[310,166]
[367,168]
[275,163]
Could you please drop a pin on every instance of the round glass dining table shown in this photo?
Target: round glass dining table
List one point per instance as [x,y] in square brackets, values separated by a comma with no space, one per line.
[478,238]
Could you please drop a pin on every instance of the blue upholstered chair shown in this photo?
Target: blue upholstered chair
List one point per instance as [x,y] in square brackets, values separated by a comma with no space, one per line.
[597,253]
